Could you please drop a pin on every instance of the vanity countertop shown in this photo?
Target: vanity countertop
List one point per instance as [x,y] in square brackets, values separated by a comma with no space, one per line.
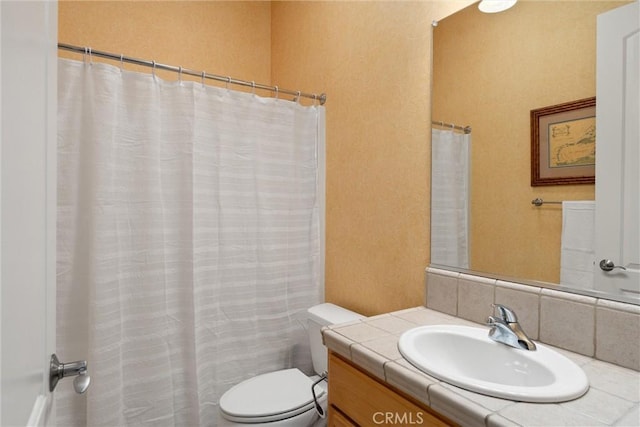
[613,398]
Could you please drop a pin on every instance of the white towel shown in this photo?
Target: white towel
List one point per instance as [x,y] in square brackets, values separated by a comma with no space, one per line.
[578,244]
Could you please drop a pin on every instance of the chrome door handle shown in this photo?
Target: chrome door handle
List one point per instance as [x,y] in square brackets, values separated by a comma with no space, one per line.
[608,265]
[58,370]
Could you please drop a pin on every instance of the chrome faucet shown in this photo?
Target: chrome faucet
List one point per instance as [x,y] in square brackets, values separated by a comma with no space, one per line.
[506,329]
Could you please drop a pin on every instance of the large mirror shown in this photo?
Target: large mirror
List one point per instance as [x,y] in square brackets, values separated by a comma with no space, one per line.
[490,71]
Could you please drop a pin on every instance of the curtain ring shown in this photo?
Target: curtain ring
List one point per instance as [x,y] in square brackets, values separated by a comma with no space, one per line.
[154,68]
[297,98]
[203,75]
[121,62]
[84,57]
[180,74]
[90,57]
[315,100]
[253,87]
[226,86]
[277,92]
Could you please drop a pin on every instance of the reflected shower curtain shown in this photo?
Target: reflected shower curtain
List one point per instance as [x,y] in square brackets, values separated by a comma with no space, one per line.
[450,164]
[189,242]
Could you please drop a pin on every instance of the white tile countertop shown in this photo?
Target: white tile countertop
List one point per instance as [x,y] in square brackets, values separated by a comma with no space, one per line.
[613,398]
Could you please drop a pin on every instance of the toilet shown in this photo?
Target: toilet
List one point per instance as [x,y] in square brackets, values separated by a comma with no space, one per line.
[283,398]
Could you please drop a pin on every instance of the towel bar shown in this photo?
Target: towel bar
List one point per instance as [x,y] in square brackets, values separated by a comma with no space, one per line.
[540,202]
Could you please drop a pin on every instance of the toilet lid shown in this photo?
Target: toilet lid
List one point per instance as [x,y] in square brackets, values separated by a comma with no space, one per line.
[270,396]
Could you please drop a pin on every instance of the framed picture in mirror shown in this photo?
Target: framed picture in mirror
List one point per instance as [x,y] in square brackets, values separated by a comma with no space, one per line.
[563,143]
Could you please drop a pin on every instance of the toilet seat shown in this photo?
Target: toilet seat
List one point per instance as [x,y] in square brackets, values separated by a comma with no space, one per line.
[269,397]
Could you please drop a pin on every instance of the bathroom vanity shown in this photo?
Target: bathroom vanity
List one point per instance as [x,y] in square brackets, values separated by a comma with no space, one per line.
[356,398]
[372,384]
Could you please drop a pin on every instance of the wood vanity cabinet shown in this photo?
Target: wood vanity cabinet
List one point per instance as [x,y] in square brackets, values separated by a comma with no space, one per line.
[357,399]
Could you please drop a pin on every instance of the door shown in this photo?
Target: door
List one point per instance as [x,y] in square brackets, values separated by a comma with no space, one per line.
[617,261]
[28,76]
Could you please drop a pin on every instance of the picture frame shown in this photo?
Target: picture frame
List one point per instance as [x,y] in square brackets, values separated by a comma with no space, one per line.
[563,141]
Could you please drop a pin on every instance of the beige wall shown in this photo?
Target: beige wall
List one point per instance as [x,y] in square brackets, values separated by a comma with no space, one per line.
[225,38]
[489,72]
[373,61]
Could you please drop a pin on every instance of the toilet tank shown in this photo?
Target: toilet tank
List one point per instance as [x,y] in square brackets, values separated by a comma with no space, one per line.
[324,315]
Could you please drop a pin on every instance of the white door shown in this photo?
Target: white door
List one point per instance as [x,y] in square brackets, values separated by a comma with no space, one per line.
[617,261]
[28,37]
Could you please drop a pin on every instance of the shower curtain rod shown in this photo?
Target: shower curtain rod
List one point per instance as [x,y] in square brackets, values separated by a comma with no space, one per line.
[322,98]
[465,129]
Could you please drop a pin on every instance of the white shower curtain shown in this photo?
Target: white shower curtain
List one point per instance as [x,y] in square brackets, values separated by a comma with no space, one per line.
[189,242]
[450,169]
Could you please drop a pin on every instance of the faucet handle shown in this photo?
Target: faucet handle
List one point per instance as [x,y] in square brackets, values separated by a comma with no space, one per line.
[492,320]
[506,313]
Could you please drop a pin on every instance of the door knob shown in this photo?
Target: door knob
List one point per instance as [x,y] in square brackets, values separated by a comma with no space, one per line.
[608,265]
[81,382]
[58,370]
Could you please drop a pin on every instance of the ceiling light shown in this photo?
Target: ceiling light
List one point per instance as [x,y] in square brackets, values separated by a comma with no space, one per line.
[494,6]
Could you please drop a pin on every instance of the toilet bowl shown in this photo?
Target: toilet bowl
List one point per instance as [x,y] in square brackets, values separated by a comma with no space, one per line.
[284,398]
[280,398]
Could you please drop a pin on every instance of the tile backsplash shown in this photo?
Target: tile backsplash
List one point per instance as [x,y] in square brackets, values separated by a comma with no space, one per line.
[603,329]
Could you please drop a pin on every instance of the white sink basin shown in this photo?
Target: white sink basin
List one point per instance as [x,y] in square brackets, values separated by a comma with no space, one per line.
[468,358]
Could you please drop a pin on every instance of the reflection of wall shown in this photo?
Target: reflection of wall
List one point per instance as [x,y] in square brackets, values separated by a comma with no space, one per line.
[489,72]
[372,59]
